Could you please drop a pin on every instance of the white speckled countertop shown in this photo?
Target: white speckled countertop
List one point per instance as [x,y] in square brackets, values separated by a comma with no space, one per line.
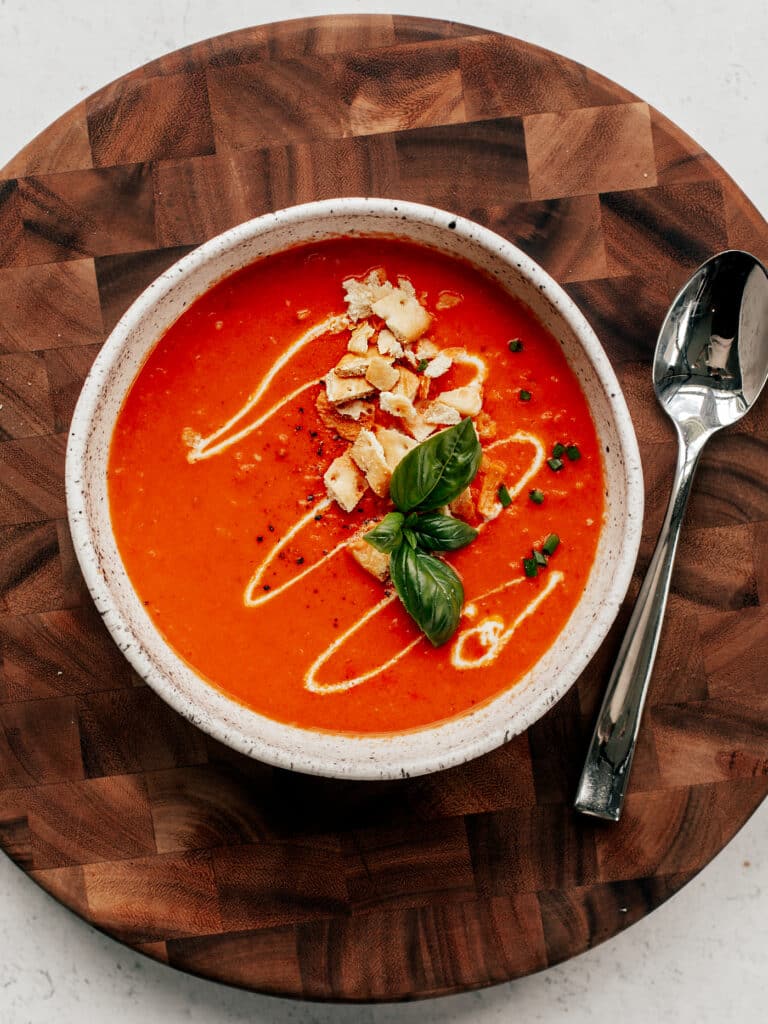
[702,957]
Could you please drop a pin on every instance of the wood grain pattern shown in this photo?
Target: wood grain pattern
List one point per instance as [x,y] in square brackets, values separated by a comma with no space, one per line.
[287,884]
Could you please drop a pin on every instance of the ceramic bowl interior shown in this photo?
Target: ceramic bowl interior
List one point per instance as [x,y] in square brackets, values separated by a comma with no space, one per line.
[363,757]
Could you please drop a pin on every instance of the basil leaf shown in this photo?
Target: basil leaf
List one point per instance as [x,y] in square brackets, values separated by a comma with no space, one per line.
[436,532]
[430,591]
[387,534]
[437,470]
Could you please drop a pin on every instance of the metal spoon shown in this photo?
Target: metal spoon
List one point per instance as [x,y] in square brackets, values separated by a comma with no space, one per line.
[710,365]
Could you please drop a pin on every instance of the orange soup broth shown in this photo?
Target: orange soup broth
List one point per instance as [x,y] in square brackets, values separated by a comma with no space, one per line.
[191,535]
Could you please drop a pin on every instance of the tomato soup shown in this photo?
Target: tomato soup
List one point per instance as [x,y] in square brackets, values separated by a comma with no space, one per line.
[239,496]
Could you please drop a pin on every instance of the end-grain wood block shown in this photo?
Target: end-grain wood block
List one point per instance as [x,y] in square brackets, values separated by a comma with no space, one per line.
[331,889]
[595,149]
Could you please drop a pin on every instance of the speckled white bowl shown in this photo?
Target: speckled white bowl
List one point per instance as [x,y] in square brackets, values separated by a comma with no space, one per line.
[322,753]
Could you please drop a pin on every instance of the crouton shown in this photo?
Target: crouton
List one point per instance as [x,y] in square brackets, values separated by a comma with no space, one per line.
[344,482]
[493,476]
[359,338]
[368,454]
[388,345]
[346,389]
[468,401]
[407,384]
[439,412]
[447,299]
[438,366]
[395,445]
[464,506]
[485,426]
[360,295]
[352,364]
[402,314]
[427,349]
[373,561]
[382,374]
[345,420]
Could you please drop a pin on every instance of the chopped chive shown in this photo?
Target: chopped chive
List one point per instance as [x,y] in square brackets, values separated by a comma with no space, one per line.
[530,568]
[539,558]
[422,365]
[558,450]
[555,464]
[573,453]
[504,496]
[550,545]
[515,345]
[536,496]
[525,396]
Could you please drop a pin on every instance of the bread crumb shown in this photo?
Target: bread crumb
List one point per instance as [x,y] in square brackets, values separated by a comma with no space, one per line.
[485,426]
[447,299]
[344,482]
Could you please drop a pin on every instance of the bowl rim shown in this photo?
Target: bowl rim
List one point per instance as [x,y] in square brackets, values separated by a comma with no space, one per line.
[131,641]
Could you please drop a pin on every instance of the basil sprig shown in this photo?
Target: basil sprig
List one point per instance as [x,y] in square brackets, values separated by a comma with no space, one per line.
[431,475]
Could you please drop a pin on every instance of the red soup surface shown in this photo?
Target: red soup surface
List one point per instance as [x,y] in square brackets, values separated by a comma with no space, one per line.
[243,561]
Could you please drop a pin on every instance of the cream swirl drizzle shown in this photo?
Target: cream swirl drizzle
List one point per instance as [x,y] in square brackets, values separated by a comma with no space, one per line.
[206,447]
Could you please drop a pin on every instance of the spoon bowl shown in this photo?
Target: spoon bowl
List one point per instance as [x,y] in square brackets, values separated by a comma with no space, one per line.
[711,359]
[711,364]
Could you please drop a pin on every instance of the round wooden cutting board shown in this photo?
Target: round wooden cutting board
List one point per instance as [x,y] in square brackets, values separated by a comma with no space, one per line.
[365,891]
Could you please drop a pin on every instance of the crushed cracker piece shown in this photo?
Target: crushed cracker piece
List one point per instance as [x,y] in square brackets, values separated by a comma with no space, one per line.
[373,561]
[467,400]
[345,420]
[346,389]
[360,295]
[407,384]
[368,454]
[402,314]
[359,338]
[438,366]
[463,507]
[388,345]
[352,365]
[395,445]
[440,413]
[382,374]
[344,482]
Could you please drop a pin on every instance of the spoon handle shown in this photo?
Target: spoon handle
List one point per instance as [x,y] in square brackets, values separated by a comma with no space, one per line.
[606,769]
